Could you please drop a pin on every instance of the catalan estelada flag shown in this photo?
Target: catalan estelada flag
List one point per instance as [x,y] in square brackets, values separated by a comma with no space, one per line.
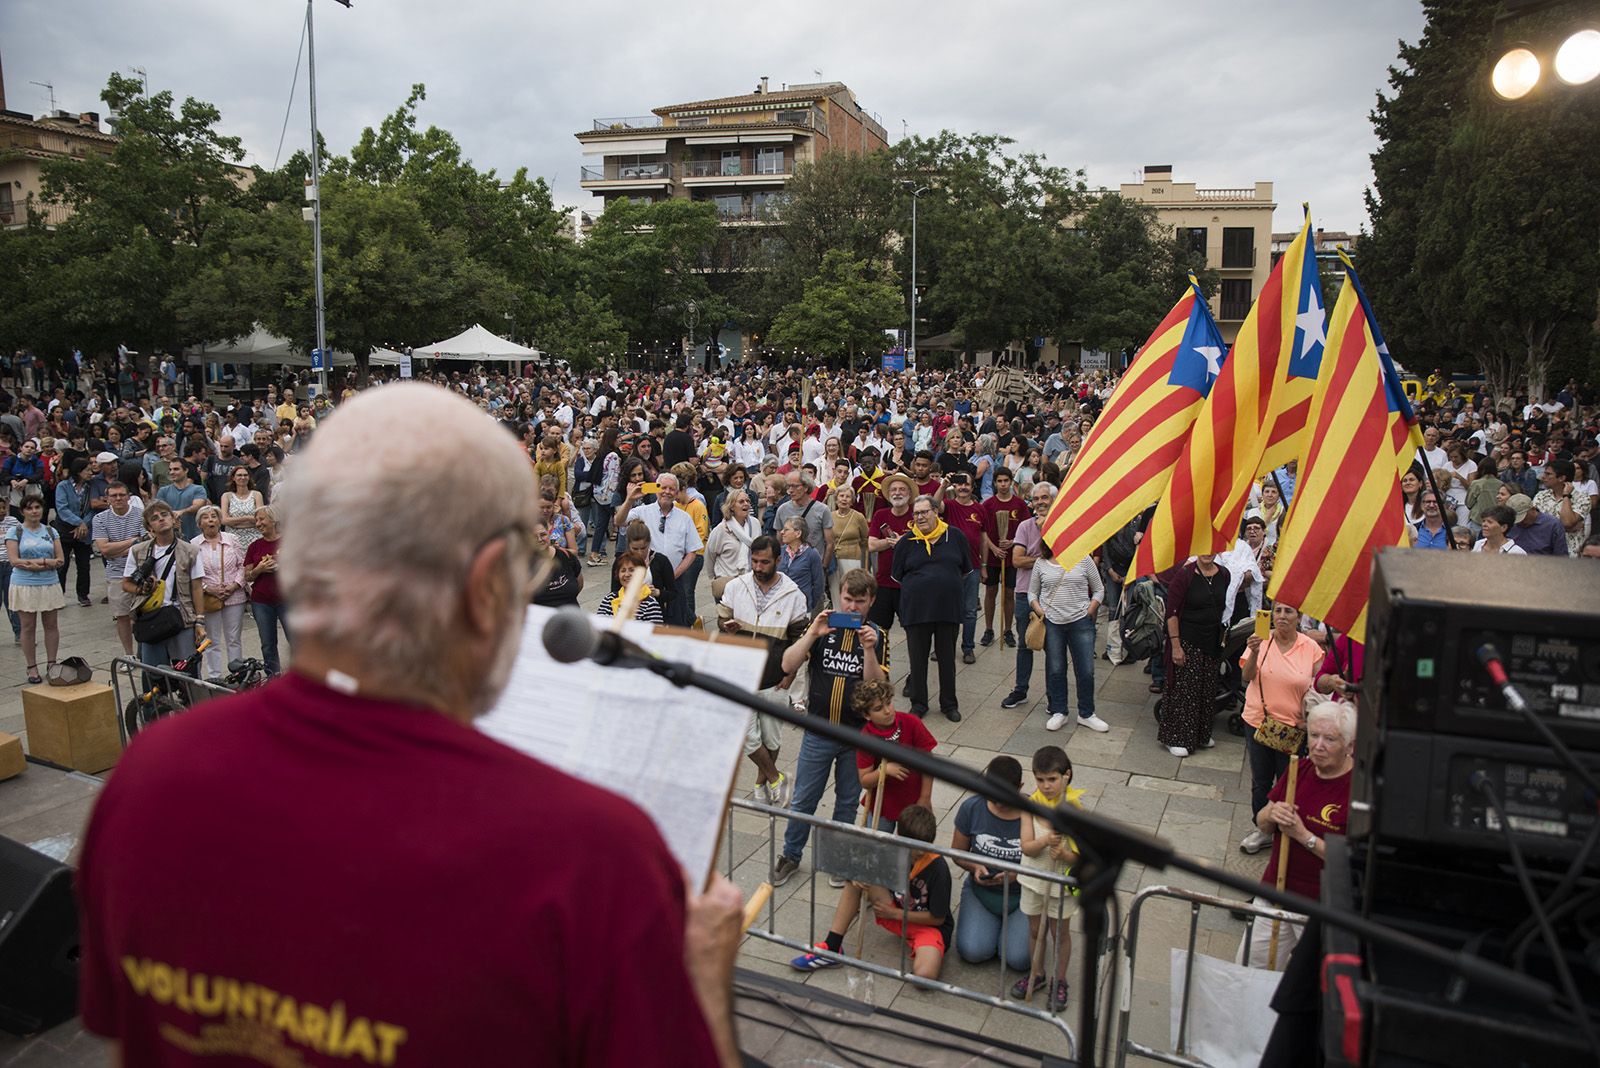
[1253,421]
[1126,461]
[1347,504]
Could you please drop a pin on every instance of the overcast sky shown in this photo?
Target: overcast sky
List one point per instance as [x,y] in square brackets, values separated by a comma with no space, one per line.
[1229,93]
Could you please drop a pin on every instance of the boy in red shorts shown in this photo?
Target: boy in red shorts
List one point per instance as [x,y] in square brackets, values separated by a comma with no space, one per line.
[921,916]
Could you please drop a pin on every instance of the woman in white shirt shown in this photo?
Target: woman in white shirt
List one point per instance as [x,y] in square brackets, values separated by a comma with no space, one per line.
[1456,474]
[1067,599]
[748,451]
[1497,522]
[728,545]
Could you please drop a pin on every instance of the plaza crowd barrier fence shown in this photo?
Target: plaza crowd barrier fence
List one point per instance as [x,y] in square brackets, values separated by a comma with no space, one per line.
[883,859]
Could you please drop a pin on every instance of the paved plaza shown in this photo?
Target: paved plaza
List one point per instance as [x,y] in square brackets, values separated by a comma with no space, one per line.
[1200,804]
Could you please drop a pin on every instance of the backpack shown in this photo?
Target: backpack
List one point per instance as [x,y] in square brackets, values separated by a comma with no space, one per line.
[1143,621]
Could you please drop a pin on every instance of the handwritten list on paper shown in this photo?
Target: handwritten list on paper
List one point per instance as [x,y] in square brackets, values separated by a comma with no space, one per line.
[672,752]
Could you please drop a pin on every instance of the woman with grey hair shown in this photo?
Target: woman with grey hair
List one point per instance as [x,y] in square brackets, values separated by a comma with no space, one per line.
[801,562]
[224,588]
[728,546]
[983,466]
[1321,807]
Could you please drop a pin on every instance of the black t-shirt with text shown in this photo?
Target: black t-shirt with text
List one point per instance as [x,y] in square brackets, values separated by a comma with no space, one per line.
[838,663]
[565,581]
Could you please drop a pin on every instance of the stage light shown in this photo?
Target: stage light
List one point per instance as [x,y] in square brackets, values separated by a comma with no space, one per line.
[1516,73]
[1578,60]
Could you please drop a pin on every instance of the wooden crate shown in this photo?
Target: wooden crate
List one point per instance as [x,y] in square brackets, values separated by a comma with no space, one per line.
[12,761]
[74,726]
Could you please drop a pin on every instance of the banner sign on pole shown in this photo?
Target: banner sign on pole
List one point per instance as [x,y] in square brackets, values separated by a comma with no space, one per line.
[405,365]
[894,360]
[317,363]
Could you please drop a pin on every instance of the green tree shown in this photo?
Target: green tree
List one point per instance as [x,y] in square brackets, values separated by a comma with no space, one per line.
[1483,216]
[156,210]
[1134,269]
[585,332]
[647,262]
[993,240]
[844,311]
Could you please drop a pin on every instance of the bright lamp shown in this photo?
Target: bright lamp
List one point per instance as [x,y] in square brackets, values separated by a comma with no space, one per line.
[1578,59]
[1515,74]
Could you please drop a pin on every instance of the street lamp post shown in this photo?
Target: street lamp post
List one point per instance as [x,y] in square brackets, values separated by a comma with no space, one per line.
[916,194]
[316,199]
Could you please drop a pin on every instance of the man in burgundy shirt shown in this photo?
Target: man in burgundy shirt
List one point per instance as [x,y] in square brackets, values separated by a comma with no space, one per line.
[887,527]
[1003,514]
[966,515]
[338,868]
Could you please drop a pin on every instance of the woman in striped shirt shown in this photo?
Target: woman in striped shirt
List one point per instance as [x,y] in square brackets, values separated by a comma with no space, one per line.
[649,609]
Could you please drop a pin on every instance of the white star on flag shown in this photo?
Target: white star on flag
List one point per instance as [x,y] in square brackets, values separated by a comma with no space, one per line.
[1213,357]
[1312,327]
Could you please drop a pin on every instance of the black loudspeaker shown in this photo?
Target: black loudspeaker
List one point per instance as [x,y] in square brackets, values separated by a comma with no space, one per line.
[38,941]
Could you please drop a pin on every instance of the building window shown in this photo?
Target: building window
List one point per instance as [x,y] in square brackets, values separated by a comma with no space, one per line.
[7,205]
[1194,239]
[1238,246]
[769,161]
[731,163]
[1234,298]
[765,204]
[729,205]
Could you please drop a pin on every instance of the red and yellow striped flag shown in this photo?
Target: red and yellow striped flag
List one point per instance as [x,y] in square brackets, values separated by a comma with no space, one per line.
[1347,504]
[1126,460]
[1253,421]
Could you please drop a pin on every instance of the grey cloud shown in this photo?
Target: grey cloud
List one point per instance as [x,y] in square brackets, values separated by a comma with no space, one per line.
[1230,93]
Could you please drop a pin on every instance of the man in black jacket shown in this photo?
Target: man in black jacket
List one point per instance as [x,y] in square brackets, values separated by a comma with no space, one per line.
[930,564]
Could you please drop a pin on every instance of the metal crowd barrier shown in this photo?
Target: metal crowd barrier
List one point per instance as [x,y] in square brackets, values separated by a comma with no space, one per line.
[833,838]
[1196,901]
[141,679]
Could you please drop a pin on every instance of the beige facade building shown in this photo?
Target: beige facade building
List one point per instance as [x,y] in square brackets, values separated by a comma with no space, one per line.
[736,152]
[1232,227]
[27,144]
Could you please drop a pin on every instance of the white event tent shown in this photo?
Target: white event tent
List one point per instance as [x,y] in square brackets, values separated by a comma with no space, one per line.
[261,346]
[475,343]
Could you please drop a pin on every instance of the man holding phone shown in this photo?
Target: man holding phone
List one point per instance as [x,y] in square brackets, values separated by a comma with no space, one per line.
[843,648]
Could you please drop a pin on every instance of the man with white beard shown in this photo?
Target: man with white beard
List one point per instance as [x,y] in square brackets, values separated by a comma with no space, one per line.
[257,864]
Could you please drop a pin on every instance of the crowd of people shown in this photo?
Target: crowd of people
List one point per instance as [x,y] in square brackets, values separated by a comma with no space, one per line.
[820,510]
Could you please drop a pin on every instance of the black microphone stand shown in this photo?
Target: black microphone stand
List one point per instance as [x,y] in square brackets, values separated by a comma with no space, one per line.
[1104,846]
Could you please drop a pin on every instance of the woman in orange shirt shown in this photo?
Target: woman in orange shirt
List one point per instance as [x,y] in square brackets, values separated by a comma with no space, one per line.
[1278,670]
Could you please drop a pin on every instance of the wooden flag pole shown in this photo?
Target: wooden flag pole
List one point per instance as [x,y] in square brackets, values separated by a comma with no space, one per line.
[1283,859]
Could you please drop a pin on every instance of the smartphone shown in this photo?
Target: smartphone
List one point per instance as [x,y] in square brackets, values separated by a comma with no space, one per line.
[1263,622]
[845,620]
[650,487]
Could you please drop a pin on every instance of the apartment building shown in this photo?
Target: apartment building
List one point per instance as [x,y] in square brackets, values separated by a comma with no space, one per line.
[736,151]
[27,144]
[1231,227]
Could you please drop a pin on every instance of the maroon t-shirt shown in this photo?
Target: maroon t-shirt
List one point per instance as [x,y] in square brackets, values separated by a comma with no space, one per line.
[1016,508]
[1324,807]
[971,521]
[297,875]
[912,733]
[886,524]
[264,590]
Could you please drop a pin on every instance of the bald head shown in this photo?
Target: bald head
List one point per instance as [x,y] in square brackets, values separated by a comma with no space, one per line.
[378,541]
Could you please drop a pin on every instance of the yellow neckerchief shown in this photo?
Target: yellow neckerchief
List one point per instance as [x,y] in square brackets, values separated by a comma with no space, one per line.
[616,602]
[928,539]
[871,481]
[1070,795]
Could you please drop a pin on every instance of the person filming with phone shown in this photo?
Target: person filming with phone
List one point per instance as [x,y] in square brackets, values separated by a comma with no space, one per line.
[843,649]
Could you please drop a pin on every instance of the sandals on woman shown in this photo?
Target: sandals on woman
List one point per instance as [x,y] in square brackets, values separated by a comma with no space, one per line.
[33,675]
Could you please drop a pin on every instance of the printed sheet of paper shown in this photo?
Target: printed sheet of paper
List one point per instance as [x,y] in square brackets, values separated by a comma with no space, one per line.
[672,752]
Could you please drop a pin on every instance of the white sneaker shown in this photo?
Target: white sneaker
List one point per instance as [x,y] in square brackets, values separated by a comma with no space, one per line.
[1094,723]
[1254,842]
[780,791]
[1177,750]
[1209,743]
[1055,722]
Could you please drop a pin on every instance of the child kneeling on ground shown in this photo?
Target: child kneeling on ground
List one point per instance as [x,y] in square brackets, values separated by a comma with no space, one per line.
[1045,849]
[922,918]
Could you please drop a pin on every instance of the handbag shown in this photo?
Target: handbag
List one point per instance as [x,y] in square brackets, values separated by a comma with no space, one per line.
[152,626]
[210,601]
[1275,733]
[1035,635]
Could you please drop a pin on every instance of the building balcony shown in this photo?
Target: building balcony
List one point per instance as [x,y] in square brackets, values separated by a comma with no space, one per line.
[614,175]
[1238,259]
[1233,311]
[736,172]
[14,213]
[629,122]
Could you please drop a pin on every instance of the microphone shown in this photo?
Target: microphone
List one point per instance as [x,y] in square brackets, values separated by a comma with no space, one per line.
[570,636]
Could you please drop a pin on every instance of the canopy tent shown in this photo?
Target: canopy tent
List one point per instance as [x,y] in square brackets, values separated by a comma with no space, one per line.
[475,343]
[385,358]
[261,346]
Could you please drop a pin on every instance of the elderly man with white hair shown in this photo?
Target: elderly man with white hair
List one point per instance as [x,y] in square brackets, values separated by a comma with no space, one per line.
[1321,807]
[256,868]
[672,534]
